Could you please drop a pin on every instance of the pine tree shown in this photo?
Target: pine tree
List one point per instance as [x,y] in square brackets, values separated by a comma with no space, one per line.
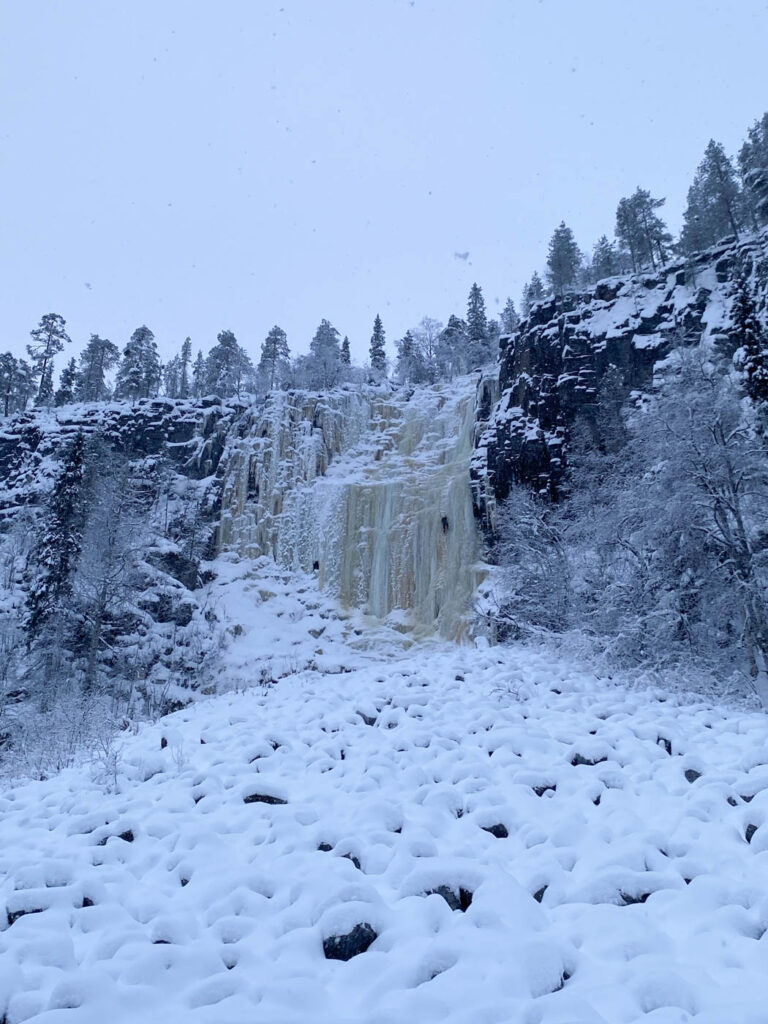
[641,231]
[139,373]
[753,165]
[605,262]
[378,356]
[65,394]
[714,202]
[752,354]
[96,360]
[346,355]
[533,292]
[228,367]
[478,341]
[275,358]
[509,318]
[563,260]
[8,371]
[185,360]
[59,544]
[48,338]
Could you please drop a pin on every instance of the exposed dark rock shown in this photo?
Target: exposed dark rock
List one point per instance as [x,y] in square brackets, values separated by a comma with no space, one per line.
[500,831]
[691,775]
[460,899]
[261,798]
[15,915]
[539,894]
[552,368]
[541,790]
[589,762]
[749,833]
[344,947]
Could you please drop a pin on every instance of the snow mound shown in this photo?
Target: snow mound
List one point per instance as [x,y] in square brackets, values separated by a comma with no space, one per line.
[401,841]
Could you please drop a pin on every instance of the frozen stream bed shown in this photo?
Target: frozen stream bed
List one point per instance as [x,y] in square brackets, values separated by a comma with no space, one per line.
[512,839]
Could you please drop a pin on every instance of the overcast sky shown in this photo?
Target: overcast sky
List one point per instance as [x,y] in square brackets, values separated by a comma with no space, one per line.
[205,164]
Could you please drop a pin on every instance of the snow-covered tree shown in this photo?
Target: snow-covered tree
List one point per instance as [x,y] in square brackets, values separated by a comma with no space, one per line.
[478,341]
[185,362]
[452,348]
[198,376]
[346,355]
[96,360]
[275,359]
[753,166]
[16,383]
[228,369]
[563,260]
[322,368]
[715,202]
[751,338]
[377,353]
[533,292]
[605,261]
[139,373]
[171,372]
[48,338]
[509,318]
[411,367]
[65,393]
[641,231]
[427,334]
[60,540]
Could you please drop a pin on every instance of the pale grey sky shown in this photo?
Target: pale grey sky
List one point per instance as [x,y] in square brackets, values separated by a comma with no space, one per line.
[198,165]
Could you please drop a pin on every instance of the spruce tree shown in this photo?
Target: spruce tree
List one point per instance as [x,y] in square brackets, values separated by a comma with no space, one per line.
[275,358]
[48,338]
[411,366]
[563,260]
[65,394]
[714,202]
[185,359]
[96,360]
[377,353]
[346,355]
[509,318]
[59,543]
[478,342]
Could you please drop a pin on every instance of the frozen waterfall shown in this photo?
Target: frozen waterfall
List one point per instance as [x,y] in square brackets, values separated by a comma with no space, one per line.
[369,490]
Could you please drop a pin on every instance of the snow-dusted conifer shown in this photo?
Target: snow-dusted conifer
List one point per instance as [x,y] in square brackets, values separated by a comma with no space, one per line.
[65,393]
[714,202]
[96,360]
[377,353]
[563,260]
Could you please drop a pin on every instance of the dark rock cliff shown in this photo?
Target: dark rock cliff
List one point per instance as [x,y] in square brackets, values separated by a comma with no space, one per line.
[552,368]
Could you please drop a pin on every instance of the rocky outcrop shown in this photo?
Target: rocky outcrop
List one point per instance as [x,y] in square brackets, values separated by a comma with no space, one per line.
[189,434]
[552,368]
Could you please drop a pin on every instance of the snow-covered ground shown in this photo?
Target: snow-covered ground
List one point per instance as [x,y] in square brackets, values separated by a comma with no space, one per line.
[527,842]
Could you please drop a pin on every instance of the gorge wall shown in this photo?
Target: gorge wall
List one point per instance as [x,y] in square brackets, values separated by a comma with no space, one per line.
[552,368]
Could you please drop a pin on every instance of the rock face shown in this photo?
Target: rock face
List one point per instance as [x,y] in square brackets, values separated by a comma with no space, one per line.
[552,368]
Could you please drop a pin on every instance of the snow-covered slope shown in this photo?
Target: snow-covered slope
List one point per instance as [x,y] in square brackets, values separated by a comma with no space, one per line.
[527,843]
